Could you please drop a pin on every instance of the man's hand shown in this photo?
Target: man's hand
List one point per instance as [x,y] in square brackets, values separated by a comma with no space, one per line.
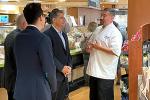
[66,70]
[96,45]
[89,47]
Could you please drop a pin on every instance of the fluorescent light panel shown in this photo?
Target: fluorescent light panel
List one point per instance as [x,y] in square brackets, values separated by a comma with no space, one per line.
[10,0]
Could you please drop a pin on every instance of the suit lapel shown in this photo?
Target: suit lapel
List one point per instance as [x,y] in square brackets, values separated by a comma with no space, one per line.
[58,37]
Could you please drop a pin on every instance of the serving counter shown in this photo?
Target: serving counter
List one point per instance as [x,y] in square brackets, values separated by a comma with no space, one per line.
[75,78]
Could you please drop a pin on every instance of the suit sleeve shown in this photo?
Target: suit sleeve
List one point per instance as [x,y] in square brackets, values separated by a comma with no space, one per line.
[58,64]
[69,58]
[47,61]
[9,68]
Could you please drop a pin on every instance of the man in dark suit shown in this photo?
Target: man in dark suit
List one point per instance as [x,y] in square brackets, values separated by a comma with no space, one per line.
[10,64]
[61,52]
[36,72]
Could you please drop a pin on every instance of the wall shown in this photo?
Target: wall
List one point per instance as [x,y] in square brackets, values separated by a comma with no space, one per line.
[138,14]
[89,13]
[73,11]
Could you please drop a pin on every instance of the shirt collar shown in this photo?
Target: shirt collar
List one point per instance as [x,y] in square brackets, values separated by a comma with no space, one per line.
[108,25]
[33,26]
[59,32]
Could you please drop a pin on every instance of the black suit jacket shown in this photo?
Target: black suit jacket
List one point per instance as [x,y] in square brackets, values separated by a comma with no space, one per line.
[36,71]
[10,64]
[61,55]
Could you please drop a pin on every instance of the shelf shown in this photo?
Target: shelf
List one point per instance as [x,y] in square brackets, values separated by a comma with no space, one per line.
[109,3]
[117,5]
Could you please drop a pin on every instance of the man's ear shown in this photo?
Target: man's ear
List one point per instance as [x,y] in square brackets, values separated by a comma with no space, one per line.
[40,18]
[24,24]
[53,19]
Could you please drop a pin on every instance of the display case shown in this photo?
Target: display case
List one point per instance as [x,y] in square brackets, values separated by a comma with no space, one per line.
[4,31]
[146,53]
[76,78]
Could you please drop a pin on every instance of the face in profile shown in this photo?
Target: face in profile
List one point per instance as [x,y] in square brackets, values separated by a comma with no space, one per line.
[43,21]
[107,17]
[60,20]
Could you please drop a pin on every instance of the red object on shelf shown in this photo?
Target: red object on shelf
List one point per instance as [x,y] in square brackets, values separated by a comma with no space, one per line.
[136,37]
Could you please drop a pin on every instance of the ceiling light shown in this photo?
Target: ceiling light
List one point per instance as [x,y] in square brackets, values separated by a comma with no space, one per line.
[61,0]
[12,9]
[10,0]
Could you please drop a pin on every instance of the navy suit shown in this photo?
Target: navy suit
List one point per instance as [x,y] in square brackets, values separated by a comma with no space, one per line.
[36,72]
[61,57]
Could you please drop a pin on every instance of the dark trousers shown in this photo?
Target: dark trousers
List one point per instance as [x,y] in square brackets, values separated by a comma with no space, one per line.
[10,95]
[62,90]
[86,59]
[101,89]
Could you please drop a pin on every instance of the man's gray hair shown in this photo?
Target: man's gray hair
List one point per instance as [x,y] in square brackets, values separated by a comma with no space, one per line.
[54,13]
[20,18]
[111,11]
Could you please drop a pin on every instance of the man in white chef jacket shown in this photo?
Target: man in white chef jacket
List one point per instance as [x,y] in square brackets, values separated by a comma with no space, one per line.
[105,49]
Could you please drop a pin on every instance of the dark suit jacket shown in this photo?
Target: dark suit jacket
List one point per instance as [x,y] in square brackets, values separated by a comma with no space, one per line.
[61,55]
[36,71]
[10,64]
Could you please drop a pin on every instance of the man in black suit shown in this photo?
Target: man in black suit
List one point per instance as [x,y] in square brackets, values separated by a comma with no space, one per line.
[61,52]
[10,64]
[36,71]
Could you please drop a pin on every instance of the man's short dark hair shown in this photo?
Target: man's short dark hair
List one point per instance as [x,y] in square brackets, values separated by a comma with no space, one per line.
[53,14]
[111,11]
[32,11]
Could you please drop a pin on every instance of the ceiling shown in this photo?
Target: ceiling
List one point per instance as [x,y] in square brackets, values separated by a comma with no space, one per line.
[68,3]
[47,5]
